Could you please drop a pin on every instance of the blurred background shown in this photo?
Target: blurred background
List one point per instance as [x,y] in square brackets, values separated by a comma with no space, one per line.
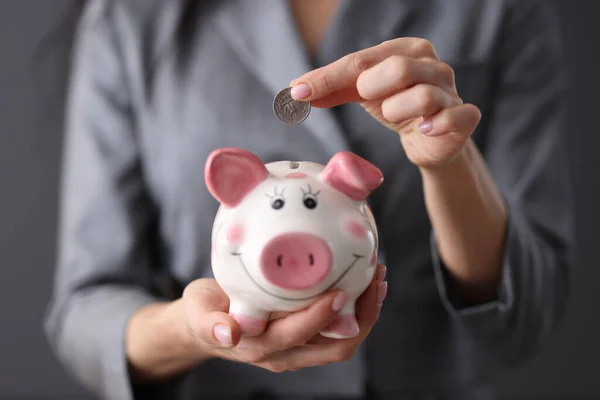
[30,150]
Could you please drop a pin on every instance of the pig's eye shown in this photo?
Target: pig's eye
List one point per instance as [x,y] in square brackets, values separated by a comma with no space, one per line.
[277,204]
[277,201]
[310,202]
[310,198]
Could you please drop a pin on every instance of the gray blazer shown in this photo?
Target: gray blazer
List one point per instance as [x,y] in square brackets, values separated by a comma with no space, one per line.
[149,101]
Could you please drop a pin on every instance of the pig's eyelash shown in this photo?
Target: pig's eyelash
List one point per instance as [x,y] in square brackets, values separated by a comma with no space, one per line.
[275,194]
[309,192]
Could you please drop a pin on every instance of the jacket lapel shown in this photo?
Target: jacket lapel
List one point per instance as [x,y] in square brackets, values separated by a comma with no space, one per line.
[263,34]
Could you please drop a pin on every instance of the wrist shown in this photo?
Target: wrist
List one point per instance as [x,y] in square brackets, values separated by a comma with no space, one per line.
[468,216]
[460,164]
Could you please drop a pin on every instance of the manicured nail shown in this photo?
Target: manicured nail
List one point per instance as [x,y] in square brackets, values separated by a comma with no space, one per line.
[300,92]
[340,301]
[426,126]
[223,334]
[353,329]
[381,292]
[381,273]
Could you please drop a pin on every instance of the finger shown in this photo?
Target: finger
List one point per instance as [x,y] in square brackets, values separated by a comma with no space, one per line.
[346,95]
[380,273]
[297,358]
[205,306]
[422,100]
[278,315]
[344,72]
[299,327]
[207,295]
[397,73]
[323,350]
[368,307]
[461,120]
[326,350]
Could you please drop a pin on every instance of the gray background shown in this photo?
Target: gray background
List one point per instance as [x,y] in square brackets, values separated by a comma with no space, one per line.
[30,129]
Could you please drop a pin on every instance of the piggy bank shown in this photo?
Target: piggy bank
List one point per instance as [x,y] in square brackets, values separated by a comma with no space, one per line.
[287,232]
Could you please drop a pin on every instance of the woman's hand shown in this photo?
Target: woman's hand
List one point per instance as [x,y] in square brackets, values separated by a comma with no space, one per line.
[402,84]
[290,341]
[166,339]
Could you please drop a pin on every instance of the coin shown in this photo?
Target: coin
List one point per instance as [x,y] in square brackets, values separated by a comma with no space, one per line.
[288,110]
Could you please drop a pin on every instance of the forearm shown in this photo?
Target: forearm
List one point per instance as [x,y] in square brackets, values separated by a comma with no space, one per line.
[468,216]
[159,345]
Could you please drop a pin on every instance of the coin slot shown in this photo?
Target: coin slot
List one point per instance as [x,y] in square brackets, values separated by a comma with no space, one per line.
[294,165]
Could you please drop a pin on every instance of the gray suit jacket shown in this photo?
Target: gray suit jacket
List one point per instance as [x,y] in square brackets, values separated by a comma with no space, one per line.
[149,100]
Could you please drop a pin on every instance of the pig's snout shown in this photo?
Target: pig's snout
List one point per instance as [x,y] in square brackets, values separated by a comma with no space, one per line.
[296,261]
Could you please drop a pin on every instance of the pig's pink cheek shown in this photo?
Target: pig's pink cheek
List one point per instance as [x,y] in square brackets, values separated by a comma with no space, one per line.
[235,234]
[356,230]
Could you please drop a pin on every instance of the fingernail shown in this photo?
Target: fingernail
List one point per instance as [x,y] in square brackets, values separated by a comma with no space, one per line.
[381,292]
[292,83]
[223,334]
[381,274]
[353,329]
[426,126]
[340,301]
[300,91]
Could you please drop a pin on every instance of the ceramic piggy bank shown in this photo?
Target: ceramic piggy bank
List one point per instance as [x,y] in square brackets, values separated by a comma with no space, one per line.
[287,232]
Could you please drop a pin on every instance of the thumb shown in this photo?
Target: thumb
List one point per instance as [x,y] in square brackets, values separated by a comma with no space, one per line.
[206,310]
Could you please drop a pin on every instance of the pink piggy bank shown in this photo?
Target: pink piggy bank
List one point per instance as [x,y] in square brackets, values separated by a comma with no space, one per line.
[287,232]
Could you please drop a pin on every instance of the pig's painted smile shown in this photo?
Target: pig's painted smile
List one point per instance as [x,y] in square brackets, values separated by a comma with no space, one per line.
[344,273]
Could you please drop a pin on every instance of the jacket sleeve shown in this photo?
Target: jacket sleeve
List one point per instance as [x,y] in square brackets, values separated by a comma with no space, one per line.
[526,153]
[105,268]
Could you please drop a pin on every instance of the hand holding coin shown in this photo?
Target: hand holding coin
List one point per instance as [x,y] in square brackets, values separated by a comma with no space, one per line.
[403,85]
[288,110]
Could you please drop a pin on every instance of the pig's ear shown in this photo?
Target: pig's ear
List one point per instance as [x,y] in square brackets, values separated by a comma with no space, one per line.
[231,174]
[352,175]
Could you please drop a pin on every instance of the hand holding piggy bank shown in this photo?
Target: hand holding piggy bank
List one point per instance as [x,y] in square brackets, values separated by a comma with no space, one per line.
[287,232]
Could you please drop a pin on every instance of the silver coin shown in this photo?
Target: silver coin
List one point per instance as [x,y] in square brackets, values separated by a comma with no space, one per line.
[288,110]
